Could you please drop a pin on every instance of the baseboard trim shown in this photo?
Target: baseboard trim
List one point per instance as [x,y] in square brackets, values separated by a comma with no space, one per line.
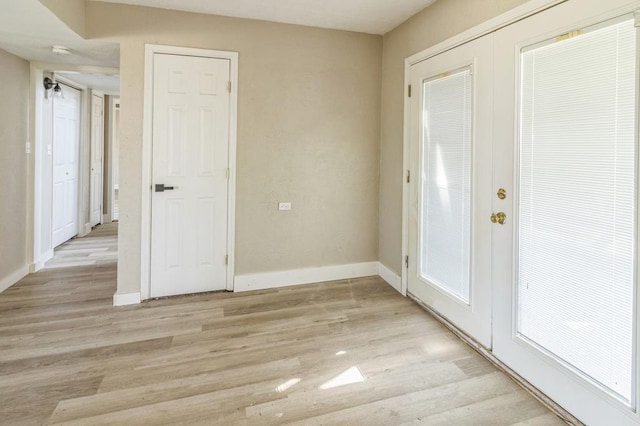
[293,277]
[390,277]
[39,264]
[126,299]
[87,229]
[106,218]
[13,278]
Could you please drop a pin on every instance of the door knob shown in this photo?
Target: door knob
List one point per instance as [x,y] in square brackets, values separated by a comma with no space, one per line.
[502,193]
[499,217]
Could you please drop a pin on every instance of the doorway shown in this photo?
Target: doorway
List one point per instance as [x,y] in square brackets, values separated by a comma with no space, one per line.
[191,141]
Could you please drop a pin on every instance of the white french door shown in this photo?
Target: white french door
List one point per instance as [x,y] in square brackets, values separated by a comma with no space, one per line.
[66,147]
[191,107]
[565,149]
[523,200]
[97,154]
[449,266]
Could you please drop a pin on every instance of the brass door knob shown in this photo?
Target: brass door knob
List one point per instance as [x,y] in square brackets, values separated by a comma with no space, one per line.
[499,217]
[502,193]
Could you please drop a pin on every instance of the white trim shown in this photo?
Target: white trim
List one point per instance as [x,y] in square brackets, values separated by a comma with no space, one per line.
[85,230]
[13,278]
[106,218]
[145,240]
[514,15]
[293,277]
[393,279]
[126,299]
[39,264]
[519,13]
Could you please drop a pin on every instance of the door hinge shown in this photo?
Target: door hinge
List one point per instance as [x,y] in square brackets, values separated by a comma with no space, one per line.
[226,260]
[229,86]
[409,91]
[406,262]
[408,176]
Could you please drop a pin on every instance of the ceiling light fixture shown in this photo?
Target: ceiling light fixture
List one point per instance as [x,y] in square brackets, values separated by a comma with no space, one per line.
[60,50]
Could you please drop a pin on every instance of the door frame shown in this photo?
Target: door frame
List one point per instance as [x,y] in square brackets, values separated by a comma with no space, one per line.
[521,12]
[101,95]
[147,144]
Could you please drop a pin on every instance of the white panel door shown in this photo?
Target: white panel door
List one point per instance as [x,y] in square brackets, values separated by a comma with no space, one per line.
[191,109]
[66,146]
[565,261]
[97,153]
[449,266]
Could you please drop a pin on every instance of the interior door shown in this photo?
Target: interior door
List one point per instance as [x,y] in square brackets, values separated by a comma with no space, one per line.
[66,145]
[191,110]
[565,261]
[449,264]
[97,153]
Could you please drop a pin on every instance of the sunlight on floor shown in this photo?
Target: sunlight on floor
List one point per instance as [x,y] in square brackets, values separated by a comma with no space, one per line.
[351,376]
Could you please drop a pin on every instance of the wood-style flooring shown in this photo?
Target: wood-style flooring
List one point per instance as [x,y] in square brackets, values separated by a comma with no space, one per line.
[350,352]
[98,248]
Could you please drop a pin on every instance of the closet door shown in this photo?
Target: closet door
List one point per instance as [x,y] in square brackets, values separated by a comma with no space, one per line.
[449,263]
[565,261]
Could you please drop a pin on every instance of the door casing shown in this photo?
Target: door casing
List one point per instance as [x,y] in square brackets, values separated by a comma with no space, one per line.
[147,142]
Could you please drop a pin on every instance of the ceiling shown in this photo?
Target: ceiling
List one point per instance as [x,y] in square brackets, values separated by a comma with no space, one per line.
[367,16]
[28,29]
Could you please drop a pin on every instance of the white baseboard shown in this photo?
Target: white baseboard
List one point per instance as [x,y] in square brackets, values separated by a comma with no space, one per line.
[106,218]
[39,264]
[267,280]
[390,277]
[13,278]
[126,299]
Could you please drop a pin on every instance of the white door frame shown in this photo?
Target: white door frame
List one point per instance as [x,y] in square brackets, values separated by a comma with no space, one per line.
[530,8]
[100,95]
[114,105]
[147,143]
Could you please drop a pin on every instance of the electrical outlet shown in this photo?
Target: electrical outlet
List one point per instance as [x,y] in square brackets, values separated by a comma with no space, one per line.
[284,206]
[27,148]
[49,149]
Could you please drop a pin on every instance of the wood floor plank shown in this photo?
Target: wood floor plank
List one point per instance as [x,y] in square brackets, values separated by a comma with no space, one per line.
[343,352]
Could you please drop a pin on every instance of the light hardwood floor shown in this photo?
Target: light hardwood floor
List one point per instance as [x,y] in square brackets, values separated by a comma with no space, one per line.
[350,352]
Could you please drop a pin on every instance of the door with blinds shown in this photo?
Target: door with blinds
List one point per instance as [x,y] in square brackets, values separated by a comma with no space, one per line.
[565,260]
[523,200]
[449,262]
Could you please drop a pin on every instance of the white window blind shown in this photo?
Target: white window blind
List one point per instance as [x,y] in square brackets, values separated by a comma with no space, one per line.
[577,198]
[446,183]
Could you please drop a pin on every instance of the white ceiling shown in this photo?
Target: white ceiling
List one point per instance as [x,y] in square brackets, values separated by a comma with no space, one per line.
[367,16]
[28,30]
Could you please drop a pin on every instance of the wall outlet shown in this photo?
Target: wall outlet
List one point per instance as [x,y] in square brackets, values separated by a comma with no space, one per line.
[27,148]
[49,149]
[284,206]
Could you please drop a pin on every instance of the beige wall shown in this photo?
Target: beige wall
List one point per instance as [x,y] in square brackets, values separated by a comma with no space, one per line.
[308,132]
[442,20]
[14,112]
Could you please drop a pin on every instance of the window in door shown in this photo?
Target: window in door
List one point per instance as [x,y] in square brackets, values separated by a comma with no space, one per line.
[445,219]
[577,176]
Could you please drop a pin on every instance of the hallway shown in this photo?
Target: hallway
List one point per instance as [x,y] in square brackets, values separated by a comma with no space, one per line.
[100,247]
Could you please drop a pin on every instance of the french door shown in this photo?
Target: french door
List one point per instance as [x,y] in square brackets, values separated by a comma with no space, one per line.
[449,256]
[565,149]
[562,197]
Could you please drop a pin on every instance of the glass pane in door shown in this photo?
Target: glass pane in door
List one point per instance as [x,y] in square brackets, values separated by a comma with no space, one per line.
[576,228]
[445,208]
